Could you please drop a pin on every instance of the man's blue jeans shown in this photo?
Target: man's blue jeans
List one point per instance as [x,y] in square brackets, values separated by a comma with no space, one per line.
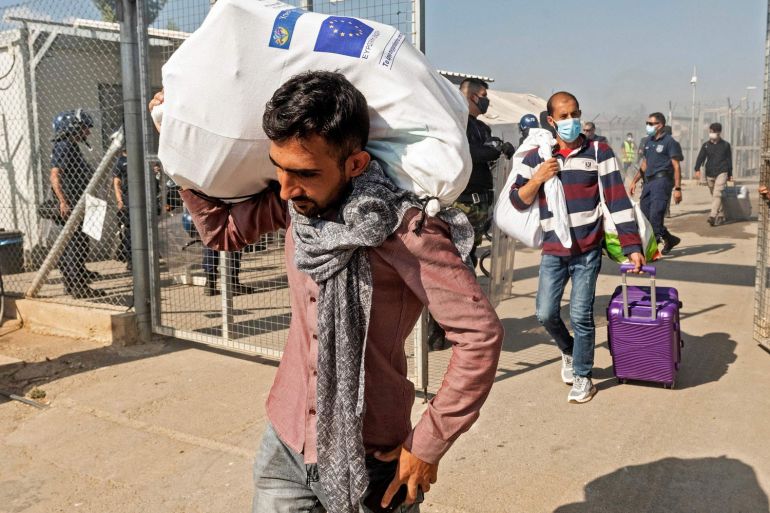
[283,483]
[554,273]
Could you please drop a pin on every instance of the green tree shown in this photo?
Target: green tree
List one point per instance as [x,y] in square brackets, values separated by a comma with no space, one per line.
[109,9]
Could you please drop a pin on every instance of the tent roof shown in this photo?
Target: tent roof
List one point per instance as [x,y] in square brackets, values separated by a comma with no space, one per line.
[508,108]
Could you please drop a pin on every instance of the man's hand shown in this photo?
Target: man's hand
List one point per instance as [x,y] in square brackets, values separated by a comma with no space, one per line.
[508,150]
[156,100]
[120,204]
[638,260]
[411,471]
[677,197]
[546,170]
[64,209]
[632,189]
[697,174]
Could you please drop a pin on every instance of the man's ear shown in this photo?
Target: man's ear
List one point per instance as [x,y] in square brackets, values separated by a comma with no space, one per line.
[357,163]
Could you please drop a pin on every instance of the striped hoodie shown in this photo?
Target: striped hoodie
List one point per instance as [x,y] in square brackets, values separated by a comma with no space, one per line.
[579,175]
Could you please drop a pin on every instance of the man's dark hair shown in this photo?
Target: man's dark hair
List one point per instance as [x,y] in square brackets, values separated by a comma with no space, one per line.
[473,85]
[549,105]
[716,127]
[322,103]
[659,117]
[629,133]
[589,125]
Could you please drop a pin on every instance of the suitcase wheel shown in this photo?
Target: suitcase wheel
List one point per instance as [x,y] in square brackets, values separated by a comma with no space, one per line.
[670,386]
[622,381]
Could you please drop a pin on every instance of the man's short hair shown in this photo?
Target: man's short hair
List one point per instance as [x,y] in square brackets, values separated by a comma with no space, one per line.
[716,127]
[659,117]
[322,103]
[589,125]
[549,105]
[473,85]
[629,134]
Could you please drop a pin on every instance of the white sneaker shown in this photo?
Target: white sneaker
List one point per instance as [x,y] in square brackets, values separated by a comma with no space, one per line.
[582,390]
[567,374]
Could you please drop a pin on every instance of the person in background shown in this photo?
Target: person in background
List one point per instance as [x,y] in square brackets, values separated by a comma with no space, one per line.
[478,197]
[718,158]
[589,129]
[661,172]
[211,270]
[526,122]
[579,164]
[120,187]
[70,174]
[629,153]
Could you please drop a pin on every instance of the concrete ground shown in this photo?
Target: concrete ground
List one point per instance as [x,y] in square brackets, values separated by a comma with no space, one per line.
[173,426]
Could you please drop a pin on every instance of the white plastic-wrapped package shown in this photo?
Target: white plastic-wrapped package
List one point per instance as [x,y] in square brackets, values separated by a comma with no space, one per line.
[218,82]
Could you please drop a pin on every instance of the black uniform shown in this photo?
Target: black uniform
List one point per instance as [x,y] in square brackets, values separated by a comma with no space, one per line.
[120,171]
[74,175]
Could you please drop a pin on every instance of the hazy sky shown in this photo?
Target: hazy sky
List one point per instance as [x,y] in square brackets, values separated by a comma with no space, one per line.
[616,56]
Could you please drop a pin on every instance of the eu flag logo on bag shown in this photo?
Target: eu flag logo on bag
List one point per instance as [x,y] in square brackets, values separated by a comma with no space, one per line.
[342,35]
[283,28]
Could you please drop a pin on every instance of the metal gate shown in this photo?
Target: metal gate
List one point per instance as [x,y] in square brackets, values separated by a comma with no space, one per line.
[762,286]
[238,300]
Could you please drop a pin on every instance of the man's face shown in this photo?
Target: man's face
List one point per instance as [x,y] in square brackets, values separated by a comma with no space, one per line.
[563,108]
[310,173]
[589,130]
[654,123]
[473,100]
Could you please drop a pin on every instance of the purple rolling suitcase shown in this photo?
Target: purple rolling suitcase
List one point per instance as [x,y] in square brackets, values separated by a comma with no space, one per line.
[645,342]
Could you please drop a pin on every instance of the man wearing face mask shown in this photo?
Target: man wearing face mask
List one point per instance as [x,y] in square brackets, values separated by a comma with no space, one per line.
[629,153]
[718,157]
[579,164]
[478,196]
[661,172]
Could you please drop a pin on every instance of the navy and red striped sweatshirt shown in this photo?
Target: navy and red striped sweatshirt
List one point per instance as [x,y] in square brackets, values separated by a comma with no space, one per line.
[580,172]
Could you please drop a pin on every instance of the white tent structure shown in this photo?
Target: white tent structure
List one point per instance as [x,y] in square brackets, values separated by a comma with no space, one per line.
[505,111]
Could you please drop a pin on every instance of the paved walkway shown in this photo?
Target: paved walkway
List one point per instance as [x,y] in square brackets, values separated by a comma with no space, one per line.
[172,427]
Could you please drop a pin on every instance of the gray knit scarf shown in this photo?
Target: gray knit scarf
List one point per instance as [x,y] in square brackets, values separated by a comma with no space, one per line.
[333,254]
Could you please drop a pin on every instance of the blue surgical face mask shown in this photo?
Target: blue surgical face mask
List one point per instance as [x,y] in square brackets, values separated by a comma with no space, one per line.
[568,129]
[651,130]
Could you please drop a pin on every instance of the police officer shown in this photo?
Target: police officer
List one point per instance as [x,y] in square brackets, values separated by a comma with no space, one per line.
[120,186]
[478,197]
[661,173]
[70,174]
[526,122]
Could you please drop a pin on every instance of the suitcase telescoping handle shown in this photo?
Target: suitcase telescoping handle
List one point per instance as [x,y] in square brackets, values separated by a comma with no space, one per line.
[647,269]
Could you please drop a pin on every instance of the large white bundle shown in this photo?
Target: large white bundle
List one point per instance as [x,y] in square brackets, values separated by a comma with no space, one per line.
[525,225]
[218,82]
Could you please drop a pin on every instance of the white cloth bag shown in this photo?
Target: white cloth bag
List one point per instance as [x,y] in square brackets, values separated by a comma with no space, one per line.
[218,82]
[524,225]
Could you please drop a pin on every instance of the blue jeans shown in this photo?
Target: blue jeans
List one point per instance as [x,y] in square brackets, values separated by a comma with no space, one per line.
[554,273]
[656,196]
[283,483]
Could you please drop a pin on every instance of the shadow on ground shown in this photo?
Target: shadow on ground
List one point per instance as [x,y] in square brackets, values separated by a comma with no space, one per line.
[673,485]
[20,377]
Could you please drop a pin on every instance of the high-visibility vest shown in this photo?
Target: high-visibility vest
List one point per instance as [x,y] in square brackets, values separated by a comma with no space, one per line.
[629,152]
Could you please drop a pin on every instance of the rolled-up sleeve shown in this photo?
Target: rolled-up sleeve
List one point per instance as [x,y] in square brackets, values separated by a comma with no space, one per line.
[431,267]
[232,226]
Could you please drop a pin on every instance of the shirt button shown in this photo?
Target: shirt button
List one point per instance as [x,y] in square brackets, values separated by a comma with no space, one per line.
[312,299]
[315,337]
[312,411]
[315,372]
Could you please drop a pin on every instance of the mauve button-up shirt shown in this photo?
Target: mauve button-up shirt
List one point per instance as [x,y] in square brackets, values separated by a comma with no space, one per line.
[408,271]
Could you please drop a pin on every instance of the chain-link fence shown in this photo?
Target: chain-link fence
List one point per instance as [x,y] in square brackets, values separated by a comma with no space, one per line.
[762,286]
[60,105]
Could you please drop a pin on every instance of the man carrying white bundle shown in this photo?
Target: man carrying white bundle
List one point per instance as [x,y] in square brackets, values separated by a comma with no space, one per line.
[580,165]
[363,260]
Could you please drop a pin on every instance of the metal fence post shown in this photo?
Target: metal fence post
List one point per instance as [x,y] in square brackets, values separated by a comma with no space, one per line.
[137,204]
